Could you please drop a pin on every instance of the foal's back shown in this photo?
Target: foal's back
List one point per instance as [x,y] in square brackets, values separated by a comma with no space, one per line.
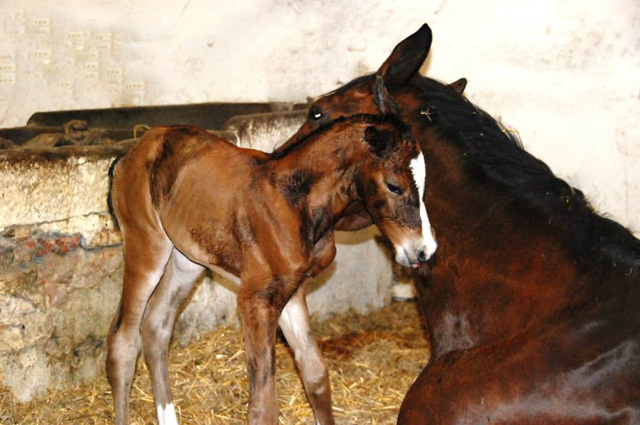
[183,154]
[181,175]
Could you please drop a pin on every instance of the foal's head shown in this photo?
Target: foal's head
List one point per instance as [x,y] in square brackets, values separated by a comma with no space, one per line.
[390,182]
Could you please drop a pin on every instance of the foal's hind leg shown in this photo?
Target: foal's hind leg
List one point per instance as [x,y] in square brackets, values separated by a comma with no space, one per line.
[145,257]
[294,322]
[157,328]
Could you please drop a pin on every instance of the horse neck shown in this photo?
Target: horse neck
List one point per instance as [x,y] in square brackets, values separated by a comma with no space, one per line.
[502,266]
[497,272]
[322,172]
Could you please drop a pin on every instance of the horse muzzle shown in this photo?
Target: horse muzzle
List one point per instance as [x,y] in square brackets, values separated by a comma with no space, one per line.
[412,257]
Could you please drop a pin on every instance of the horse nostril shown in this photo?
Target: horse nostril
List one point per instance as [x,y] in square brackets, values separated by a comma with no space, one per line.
[422,257]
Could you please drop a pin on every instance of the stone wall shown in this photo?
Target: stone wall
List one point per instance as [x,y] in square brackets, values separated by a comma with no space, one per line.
[61,264]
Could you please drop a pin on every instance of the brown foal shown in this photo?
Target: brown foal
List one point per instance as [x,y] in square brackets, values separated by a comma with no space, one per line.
[186,200]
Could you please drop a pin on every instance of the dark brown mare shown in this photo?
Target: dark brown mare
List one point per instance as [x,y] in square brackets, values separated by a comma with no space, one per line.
[533,300]
[185,200]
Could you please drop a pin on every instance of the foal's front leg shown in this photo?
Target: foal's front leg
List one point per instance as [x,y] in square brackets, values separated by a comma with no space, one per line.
[259,305]
[296,327]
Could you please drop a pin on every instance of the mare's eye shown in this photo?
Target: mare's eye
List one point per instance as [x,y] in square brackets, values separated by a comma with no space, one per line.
[315,113]
[394,189]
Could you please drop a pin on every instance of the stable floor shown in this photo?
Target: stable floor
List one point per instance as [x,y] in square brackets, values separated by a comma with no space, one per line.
[372,359]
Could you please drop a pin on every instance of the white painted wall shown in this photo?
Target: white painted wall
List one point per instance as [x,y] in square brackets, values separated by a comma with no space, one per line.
[564,73]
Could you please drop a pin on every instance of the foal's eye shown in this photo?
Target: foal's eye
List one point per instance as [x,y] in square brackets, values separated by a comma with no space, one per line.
[394,189]
[315,113]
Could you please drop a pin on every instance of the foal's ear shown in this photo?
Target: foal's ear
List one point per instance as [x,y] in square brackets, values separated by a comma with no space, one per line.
[459,85]
[406,58]
[380,141]
[403,63]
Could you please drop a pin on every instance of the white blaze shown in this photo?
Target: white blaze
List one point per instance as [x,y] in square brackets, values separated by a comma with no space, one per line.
[419,175]
[167,415]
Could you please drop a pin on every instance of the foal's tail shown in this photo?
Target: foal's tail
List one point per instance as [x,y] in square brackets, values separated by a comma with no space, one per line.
[112,212]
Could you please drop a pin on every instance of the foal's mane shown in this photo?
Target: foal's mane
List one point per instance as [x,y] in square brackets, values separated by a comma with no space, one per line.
[496,155]
[369,119]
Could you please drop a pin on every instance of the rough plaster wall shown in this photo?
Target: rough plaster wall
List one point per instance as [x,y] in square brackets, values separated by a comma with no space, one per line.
[565,74]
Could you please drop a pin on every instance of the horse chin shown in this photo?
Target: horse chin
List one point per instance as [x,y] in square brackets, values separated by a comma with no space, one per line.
[402,258]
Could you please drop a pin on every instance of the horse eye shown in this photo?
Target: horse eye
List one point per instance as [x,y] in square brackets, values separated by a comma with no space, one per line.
[394,189]
[315,113]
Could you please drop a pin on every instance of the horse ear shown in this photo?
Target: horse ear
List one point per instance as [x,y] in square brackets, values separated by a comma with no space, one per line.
[403,63]
[406,58]
[379,141]
[459,85]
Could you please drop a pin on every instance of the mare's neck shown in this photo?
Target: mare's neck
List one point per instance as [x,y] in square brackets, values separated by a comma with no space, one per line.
[499,270]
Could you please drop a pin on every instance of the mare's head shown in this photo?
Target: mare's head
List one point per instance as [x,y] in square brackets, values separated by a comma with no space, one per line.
[389,181]
[373,93]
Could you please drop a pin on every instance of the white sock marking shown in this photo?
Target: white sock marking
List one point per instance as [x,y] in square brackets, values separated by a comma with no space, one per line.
[167,415]
[419,175]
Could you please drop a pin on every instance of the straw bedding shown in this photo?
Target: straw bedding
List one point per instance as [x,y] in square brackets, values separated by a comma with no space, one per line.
[372,361]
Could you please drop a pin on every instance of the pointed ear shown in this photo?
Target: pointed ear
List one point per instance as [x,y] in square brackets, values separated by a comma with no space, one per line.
[403,63]
[380,141]
[459,85]
[406,58]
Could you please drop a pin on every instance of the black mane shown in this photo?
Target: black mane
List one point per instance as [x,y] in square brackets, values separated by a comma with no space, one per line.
[496,155]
